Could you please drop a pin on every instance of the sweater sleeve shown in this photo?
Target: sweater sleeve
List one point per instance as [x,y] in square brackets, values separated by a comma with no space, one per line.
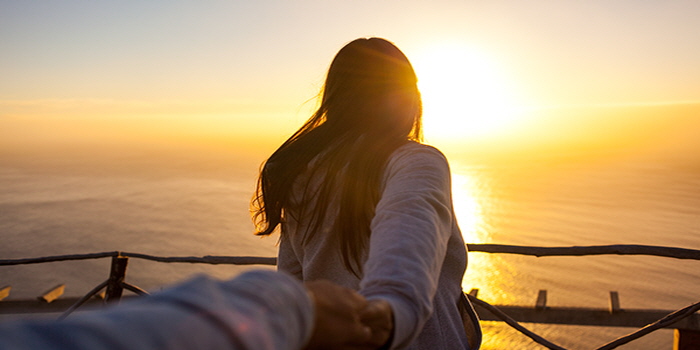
[257,310]
[409,235]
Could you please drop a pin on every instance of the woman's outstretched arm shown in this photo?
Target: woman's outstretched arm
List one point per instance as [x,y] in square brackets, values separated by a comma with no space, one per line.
[412,225]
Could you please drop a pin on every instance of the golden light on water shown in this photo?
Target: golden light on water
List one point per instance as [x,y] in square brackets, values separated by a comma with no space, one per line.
[487,272]
[467,206]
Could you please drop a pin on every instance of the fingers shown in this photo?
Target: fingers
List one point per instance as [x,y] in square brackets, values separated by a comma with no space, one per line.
[379,317]
[338,323]
[345,320]
[376,309]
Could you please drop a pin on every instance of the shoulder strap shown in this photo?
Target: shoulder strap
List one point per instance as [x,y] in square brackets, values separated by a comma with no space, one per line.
[471,322]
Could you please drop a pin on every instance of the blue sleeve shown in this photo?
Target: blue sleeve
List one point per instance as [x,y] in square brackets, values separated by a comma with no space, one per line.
[257,310]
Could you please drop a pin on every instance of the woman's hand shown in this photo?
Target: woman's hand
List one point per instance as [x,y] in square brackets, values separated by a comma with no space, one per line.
[338,323]
[345,320]
[379,317]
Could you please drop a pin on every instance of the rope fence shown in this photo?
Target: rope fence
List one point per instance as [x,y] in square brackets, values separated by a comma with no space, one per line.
[207,259]
[616,249]
[115,284]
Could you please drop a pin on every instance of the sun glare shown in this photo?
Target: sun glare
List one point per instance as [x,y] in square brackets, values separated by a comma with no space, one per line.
[464,93]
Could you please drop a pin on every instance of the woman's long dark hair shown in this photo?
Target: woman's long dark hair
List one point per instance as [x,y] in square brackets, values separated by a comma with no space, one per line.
[370,106]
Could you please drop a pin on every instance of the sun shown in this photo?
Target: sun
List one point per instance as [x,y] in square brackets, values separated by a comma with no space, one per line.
[465,94]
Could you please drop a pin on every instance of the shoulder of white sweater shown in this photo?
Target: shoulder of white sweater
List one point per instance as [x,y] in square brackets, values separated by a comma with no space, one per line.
[413,152]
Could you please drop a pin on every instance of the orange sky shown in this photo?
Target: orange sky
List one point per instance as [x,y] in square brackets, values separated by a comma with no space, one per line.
[237,74]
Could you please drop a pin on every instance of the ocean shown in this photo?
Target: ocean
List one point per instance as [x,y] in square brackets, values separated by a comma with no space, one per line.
[195,205]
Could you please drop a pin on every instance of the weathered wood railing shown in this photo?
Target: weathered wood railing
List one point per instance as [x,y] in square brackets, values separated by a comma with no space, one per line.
[686,321]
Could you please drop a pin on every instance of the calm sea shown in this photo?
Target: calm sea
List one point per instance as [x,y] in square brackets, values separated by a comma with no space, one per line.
[195,206]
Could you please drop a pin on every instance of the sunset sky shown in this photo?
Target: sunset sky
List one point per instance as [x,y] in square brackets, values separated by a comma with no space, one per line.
[239,72]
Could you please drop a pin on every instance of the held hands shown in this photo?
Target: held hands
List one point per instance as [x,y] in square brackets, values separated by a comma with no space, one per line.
[379,317]
[345,320]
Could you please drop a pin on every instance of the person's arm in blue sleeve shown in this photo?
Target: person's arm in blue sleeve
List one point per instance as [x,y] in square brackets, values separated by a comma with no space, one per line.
[257,310]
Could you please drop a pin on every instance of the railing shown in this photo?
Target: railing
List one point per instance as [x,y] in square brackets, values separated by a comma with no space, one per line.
[115,284]
[685,321]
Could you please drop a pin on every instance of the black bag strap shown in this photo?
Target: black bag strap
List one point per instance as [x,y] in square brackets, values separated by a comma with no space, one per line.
[471,321]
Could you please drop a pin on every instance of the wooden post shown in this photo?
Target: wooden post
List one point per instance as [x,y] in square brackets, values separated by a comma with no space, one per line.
[614,302]
[5,292]
[116,277]
[541,303]
[685,339]
[53,293]
[101,295]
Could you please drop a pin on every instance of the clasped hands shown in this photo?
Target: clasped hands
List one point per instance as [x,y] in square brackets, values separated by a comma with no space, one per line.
[344,319]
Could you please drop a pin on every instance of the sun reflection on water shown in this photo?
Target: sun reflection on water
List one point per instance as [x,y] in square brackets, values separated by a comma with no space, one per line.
[467,206]
[492,275]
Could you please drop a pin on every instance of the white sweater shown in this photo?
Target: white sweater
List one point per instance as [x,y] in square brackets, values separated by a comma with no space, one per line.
[416,257]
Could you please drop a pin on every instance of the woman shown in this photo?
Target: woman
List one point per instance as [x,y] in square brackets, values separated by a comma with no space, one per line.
[363,204]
